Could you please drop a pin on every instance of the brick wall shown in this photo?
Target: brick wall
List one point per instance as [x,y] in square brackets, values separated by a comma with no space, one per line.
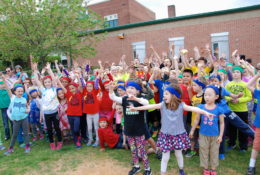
[243,28]
[139,13]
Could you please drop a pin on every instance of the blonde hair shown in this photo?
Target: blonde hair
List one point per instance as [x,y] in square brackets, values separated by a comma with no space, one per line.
[175,101]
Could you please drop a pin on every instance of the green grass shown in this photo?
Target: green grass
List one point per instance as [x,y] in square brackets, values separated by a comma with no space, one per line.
[44,161]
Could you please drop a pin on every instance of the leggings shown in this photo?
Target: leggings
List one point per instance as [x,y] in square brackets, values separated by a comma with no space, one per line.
[74,126]
[92,118]
[166,158]
[137,146]
[16,127]
[52,120]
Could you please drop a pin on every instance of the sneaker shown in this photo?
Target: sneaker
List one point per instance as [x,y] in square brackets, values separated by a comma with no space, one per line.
[34,139]
[181,172]
[231,147]
[221,156]
[9,151]
[78,145]
[59,145]
[191,154]
[148,172]
[22,145]
[41,137]
[206,172]
[27,149]
[95,144]
[213,172]
[89,143]
[159,155]
[7,138]
[2,147]
[250,171]
[52,146]
[242,151]
[134,170]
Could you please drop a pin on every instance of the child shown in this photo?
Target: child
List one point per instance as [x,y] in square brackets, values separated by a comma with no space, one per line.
[173,135]
[35,113]
[106,134]
[4,103]
[91,109]
[19,115]
[62,108]
[238,106]
[50,105]
[198,86]
[74,110]
[211,130]
[256,144]
[134,127]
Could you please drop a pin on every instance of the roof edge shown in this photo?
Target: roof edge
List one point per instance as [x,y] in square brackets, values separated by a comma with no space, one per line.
[178,18]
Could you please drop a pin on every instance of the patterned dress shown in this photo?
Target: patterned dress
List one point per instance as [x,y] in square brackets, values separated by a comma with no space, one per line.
[64,122]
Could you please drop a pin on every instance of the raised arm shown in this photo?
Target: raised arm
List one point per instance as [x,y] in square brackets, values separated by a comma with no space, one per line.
[251,83]
[196,110]
[7,87]
[112,95]
[57,67]
[146,107]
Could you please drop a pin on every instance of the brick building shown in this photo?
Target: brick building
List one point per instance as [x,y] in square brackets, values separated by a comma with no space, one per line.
[121,12]
[225,30]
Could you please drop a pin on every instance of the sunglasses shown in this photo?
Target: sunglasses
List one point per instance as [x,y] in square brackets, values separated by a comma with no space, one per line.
[8,71]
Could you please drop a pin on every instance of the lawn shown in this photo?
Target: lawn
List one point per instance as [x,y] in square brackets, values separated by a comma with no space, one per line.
[42,160]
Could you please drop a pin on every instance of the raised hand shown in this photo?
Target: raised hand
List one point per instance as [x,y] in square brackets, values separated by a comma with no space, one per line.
[48,66]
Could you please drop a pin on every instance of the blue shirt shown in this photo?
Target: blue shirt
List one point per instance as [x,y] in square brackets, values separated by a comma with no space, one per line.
[160,85]
[210,126]
[257,116]
[18,108]
[223,103]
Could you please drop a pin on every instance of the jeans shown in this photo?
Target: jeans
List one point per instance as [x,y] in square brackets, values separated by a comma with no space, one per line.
[6,122]
[53,120]
[74,126]
[83,126]
[233,120]
[17,125]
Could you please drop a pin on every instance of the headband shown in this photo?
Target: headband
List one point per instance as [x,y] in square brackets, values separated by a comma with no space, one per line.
[121,87]
[180,76]
[91,82]
[134,84]
[199,83]
[58,89]
[32,91]
[119,81]
[173,91]
[216,89]
[46,77]
[238,68]
[103,119]
[215,76]
[1,82]
[222,70]
[66,79]
[74,84]
[18,86]
[229,64]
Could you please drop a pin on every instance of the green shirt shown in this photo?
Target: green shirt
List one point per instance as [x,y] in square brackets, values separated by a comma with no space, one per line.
[235,88]
[5,99]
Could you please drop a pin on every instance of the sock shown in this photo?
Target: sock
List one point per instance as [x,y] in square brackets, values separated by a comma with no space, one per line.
[148,169]
[252,163]
[137,166]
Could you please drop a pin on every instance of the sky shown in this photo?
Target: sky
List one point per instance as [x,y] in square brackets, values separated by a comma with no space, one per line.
[186,7]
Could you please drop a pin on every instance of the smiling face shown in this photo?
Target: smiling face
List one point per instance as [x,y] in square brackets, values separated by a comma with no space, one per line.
[186,78]
[210,96]
[61,94]
[90,87]
[47,83]
[73,89]
[236,75]
[214,81]
[196,87]
[119,109]
[120,92]
[131,91]
[19,92]
[65,83]
[102,124]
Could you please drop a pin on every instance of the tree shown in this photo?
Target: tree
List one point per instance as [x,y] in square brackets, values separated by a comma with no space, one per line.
[39,28]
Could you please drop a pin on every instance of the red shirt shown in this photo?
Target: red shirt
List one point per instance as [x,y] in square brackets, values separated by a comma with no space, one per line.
[90,102]
[106,135]
[74,104]
[185,96]
[106,103]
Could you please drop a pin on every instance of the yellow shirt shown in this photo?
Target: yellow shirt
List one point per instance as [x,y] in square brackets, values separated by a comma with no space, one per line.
[195,69]
[195,101]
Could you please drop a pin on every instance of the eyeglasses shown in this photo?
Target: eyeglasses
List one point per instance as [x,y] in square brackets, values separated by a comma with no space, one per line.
[8,70]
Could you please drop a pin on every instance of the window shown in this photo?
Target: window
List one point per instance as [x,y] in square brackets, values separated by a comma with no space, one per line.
[220,45]
[111,20]
[178,43]
[139,50]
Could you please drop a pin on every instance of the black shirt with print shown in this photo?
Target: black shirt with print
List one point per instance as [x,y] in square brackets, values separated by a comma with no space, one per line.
[133,120]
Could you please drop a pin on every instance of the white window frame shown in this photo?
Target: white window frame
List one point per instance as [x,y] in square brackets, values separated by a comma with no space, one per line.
[222,39]
[139,46]
[178,44]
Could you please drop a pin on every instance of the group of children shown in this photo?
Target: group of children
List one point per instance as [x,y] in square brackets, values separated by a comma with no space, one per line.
[189,105]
